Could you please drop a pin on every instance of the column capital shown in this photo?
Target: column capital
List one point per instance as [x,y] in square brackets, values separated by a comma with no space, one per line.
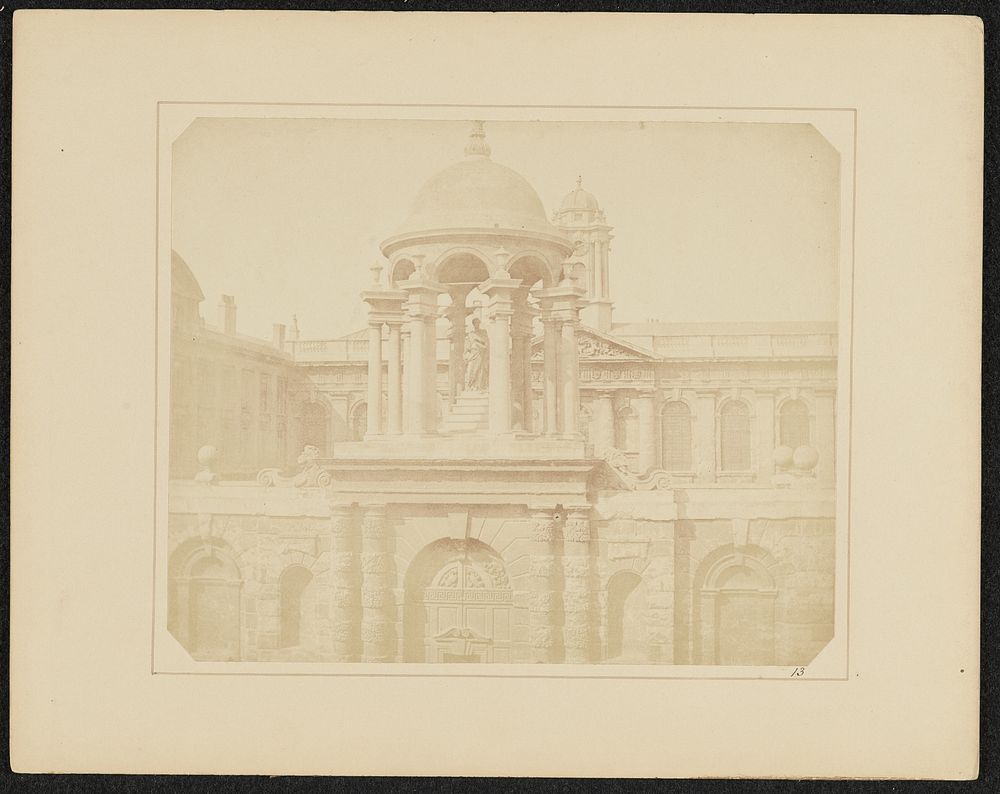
[384,305]
[421,296]
[561,296]
[500,291]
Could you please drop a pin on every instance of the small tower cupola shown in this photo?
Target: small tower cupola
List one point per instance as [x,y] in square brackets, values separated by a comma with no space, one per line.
[581,218]
[579,208]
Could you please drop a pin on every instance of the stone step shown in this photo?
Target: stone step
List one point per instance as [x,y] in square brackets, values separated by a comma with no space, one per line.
[467,419]
[469,414]
[468,410]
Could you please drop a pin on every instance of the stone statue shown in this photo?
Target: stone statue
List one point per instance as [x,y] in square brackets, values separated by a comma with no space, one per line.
[477,363]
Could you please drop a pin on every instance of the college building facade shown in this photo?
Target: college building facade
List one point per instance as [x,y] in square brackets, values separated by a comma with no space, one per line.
[495,470]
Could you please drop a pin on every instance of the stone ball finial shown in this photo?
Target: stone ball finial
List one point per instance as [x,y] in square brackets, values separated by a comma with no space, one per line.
[206,457]
[783,457]
[805,458]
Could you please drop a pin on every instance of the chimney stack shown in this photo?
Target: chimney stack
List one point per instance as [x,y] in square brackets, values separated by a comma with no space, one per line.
[278,335]
[227,314]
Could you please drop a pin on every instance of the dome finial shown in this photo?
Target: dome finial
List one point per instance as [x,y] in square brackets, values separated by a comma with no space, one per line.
[477,145]
[579,182]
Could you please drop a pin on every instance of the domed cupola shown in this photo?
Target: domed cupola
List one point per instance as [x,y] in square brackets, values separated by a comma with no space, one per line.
[475,194]
[579,208]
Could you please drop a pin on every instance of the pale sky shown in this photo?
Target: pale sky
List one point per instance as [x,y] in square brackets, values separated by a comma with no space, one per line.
[712,221]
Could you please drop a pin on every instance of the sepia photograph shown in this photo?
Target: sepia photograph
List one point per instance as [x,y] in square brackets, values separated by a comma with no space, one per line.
[461,391]
[558,395]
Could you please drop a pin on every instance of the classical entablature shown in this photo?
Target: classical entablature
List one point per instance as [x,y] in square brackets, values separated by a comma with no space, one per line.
[606,361]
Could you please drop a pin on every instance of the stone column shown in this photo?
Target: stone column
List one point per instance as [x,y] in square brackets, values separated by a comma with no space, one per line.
[766,441]
[704,437]
[345,603]
[376,587]
[562,304]
[569,365]
[374,378]
[517,343]
[528,393]
[604,422]
[578,592]
[648,441]
[456,315]
[546,584]
[520,355]
[550,352]
[499,289]
[404,341]
[395,417]
[385,306]
[421,386]
[826,436]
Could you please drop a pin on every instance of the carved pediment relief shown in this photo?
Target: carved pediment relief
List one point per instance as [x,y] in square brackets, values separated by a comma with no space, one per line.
[592,345]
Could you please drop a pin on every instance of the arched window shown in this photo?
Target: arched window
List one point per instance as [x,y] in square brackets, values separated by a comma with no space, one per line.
[359,422]
[676,425]
[794,424]
[203,600]
[735,436]
[315,422]
[292,586]
[737,613]
[626,430]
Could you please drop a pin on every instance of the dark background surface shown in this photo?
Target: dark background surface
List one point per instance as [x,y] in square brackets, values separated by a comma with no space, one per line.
[989,780]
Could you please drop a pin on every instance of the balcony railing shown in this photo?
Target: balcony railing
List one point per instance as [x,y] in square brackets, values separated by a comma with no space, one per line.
[329,350]
[728,346]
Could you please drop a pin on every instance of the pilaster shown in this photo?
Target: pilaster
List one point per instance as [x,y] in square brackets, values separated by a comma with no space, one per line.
[578,595]
[704,437]
[345,602]
[376,587]
[604,421]
[546,583]
[766,441]
[648,435]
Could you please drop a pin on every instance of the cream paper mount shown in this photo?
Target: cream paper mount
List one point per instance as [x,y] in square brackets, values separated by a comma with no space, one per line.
[442,411]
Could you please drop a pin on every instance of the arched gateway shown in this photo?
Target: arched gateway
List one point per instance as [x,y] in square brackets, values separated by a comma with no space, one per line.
[458,604]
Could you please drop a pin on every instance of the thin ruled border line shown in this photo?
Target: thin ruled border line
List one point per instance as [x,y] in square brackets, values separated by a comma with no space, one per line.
[850,387]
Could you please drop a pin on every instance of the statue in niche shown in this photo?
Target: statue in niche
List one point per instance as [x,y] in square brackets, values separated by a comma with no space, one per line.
[477,363]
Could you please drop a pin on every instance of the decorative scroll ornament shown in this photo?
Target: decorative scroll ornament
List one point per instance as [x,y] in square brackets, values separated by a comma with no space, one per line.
[310,474]
[653,480]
